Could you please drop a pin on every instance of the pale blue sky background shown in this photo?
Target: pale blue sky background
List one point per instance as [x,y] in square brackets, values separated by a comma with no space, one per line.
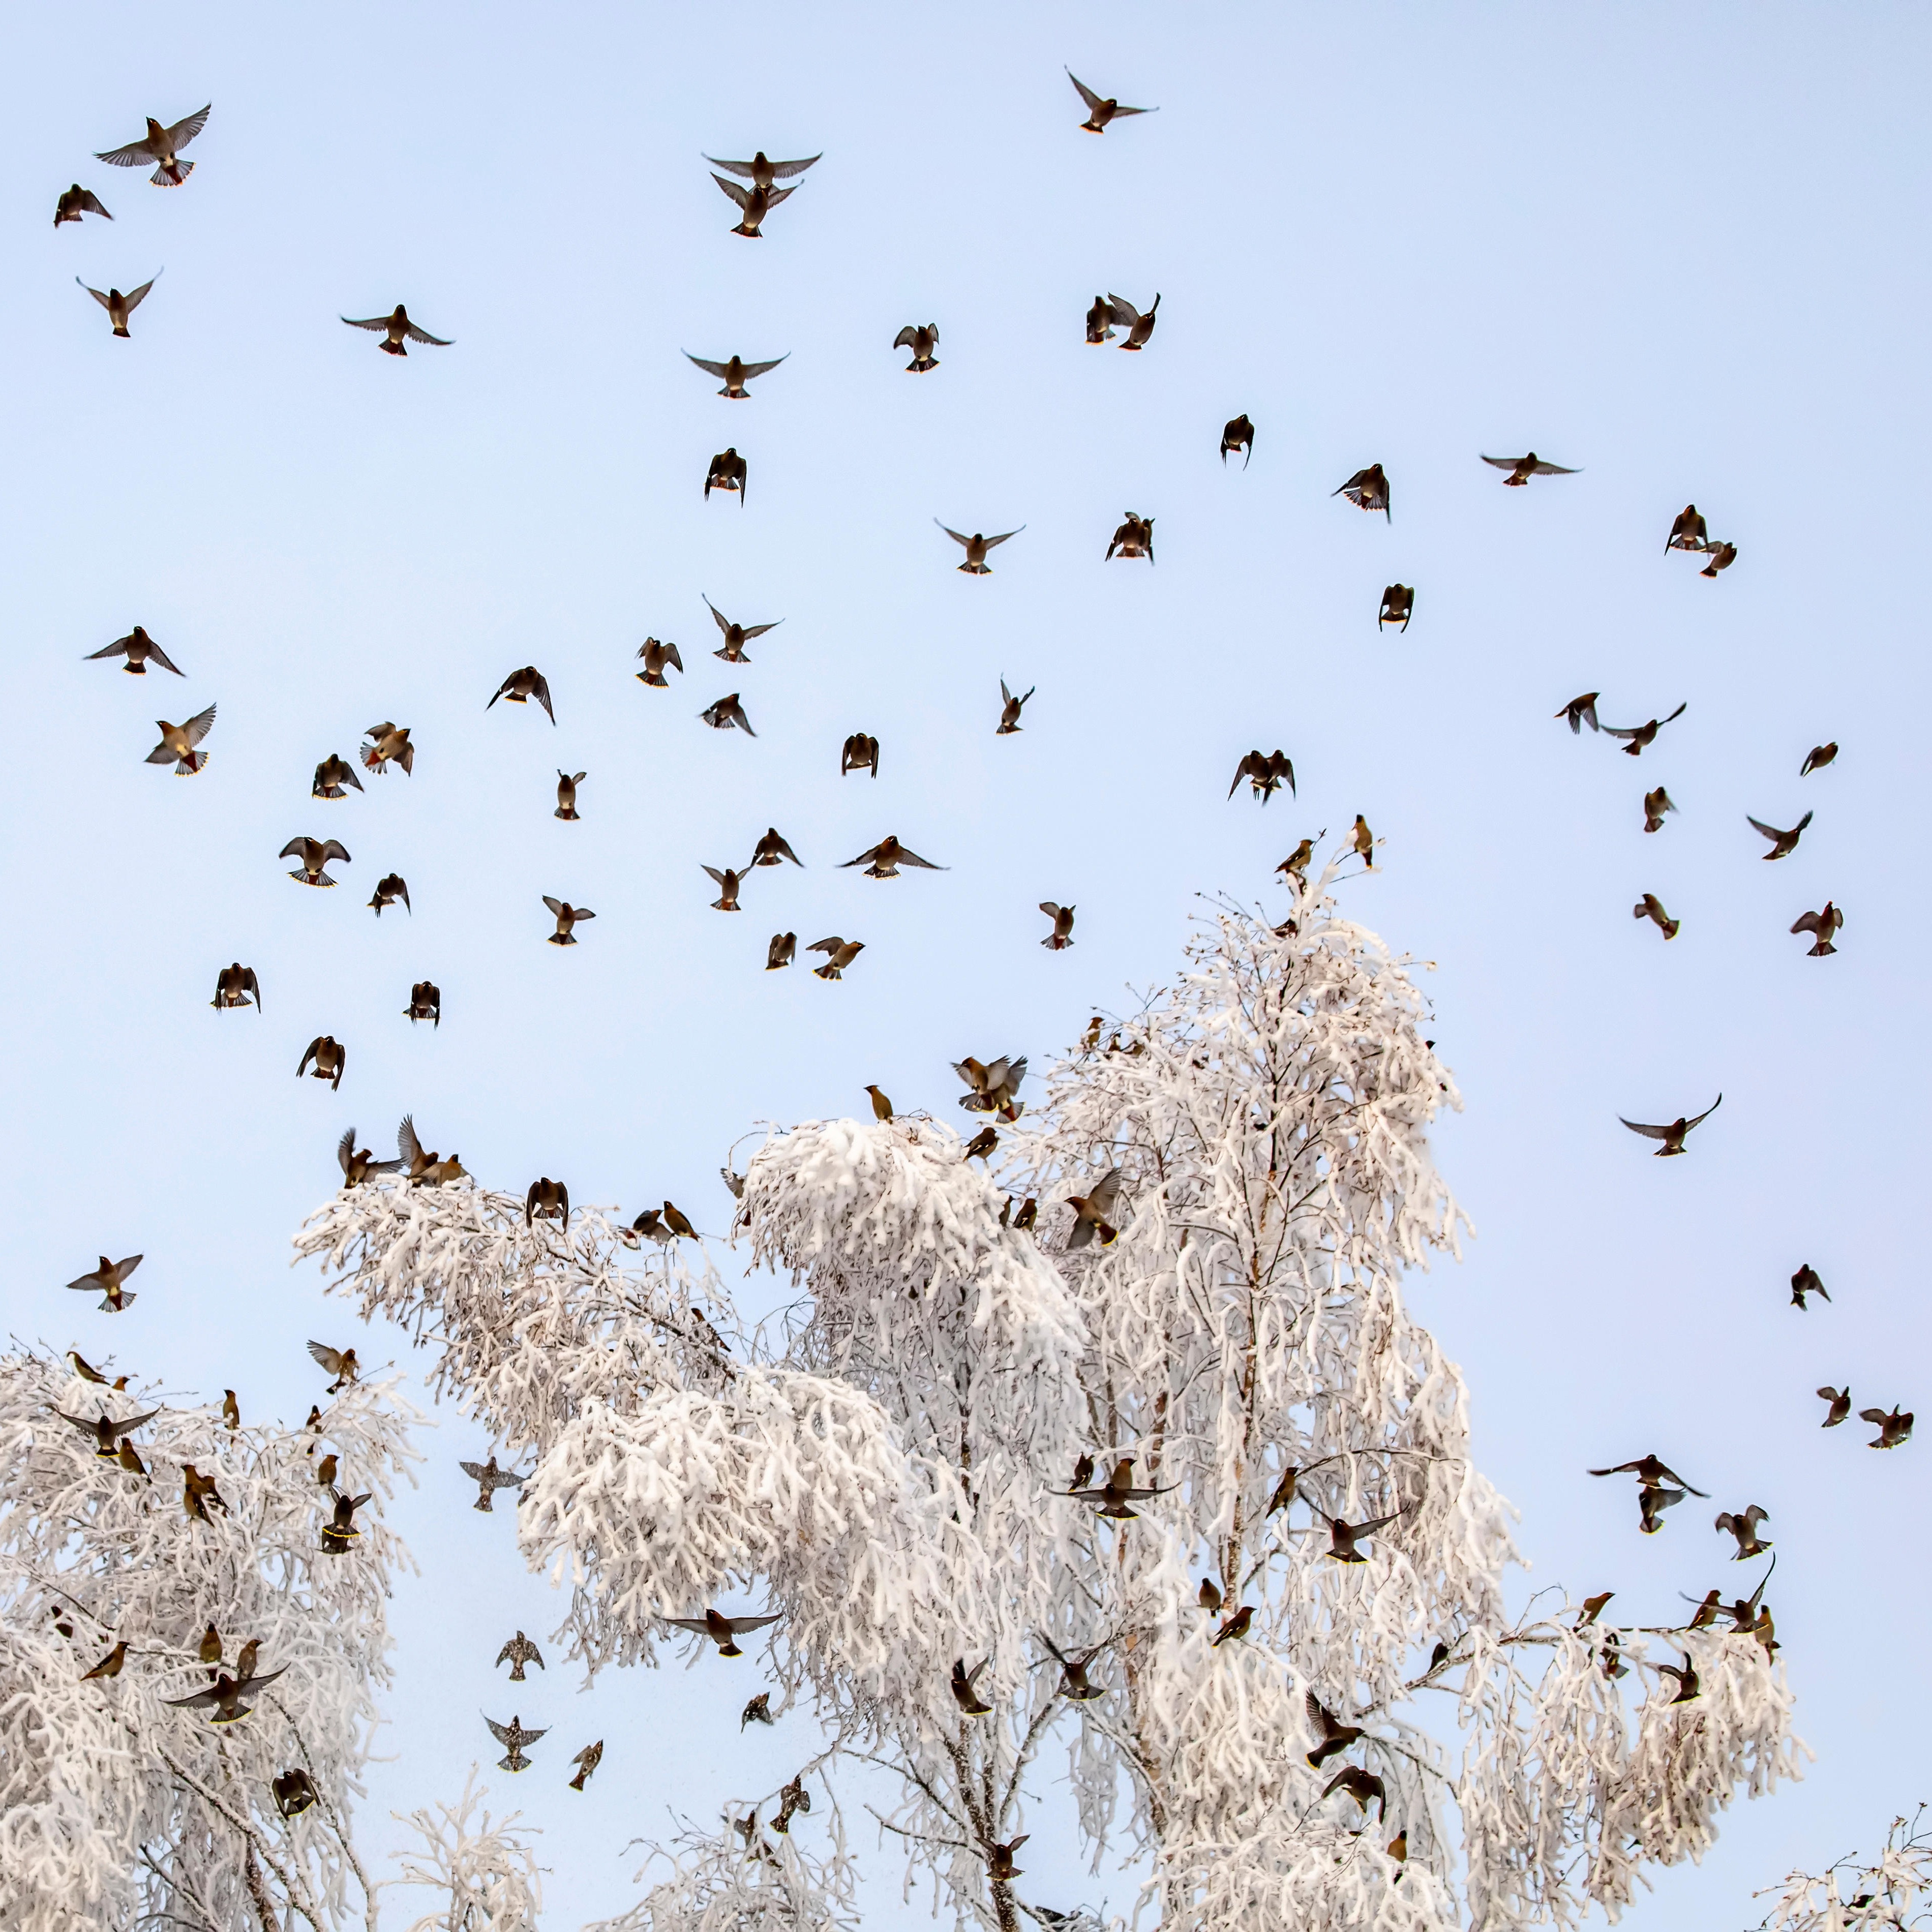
[1680,250]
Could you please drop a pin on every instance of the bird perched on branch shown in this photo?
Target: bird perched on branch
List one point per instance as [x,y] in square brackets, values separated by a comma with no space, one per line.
[197,1492]
[1783,844]
[1743,1526]
[1239,434]
[236,985]
[724,1631]
[89,1373]
[1234,1626]
[735,373]
[425,1002]
[331,1057]
[77,201]
[514,1737]
[517,1652]
[110,1277]
[860,753]
[520,686]
[976,548]
[1655,804]
[1821,924]
[331,778]
[1806,1282]
[981,1147]
[140,650]
[314,855]
[397,330]
[728,715]
[390,888]
[1522,468]
[358,1164]
[883,861]
[921,338]
[965,1693]
[1398,606]
[1139,326]
[339,1362]
[1639,735]
[489,1479]
[389,743]
[1112,1498]
[548,1200]
[1363,842]
[567,917]
[110,1666]
[586,1761]
[1367,490]
[882,1105]
[736,636]
[1010,708]
[656,656]
[840,954]
[1651,907]
[729,473]
[120,307]
[1134,538]
[1342,1536]
[1672,1134]
[1892,1429]
[1101,112]
[178,744]
[1266,772]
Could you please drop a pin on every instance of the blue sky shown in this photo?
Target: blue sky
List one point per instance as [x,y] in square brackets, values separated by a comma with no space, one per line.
[1679,252]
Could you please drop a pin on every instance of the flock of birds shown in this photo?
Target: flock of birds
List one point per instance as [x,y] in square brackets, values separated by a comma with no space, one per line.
[754,187]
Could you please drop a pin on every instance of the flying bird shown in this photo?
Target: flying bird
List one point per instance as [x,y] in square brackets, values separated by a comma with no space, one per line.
[964,1685]
[757,1711]
[771,850]
[762,172]
[1892,1429]
[993,1088]
[1138,326]
[1398,606]
[110,1277]
[1334,1735]
[1361,1785]
[1074,1684]
[1743,1526]
[119,307]
[1581,711]
[883,861]
[728,472]
[724,1631]
[1010,708]
[140,650]
[1688,531]
[755,203]
[840,953]
[1099,111]
[223,1696]
[656,656]
[1000,1867]
[1722,556]
[1807,1281]
[1815,760]
[1782,843]
[736,372]
[517,1652]
[179,741]
[736,636]
[107,1432]
[397,332]
[567,916]
[339,1531]
[1112,1498]
[921,338]
[567,783]
[1266,772]
[727,882]
[1367,490]
[727,715]
[1651,907]
[389,742]
[162,146]
[332,776]
[294,1792]
[1239,434]
[339,1362]
[1650,1471]
[1090,1211]
[860,753]
[1687,1687]
[331,1057]
[1641,735]
[489,1479]
[314,854]
[782,951]
[1341,1536]
[236,985]
[1672,1135]
[548,1200]
[1099,322]
[1821,924]
[976,548]
[77,201]
[514,1737]
[357,1164]
[586,1761]
[520,686]
[1655,804]
[1841,1401]
[1522,468]
[1134,538]
[389,888]
[425,1169]
[1652,1500]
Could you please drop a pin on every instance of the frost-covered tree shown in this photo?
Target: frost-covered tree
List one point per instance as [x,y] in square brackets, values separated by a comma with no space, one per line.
[1164,1467]
[484,1870]
[1893,1890]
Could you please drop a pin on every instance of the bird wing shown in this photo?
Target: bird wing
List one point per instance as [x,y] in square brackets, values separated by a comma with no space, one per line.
[134,297]
[540,690]
[136,154]
[1807,922]
[758,630]
[715,874]
[407,1145]
[344,1147]
[555,905]
[1621,1469]
[331,1359]
[1086,93]
[719,369]
[377,321]
[1554,470]
[1620,731]
[1124,312]
[865,858]
[785,170]
[990,541]
[740,1625]
[731,167]
[416,334]
[1375,1523]
[907,337]
[724,623]
[742,196]
[198,727]
[1678,713]
[1704,1116]
[1119,110]
[831,945]
[161,658]
[333,847]
[1758,825]
[965,543]
[1503,462]
[1101,1195]
[504,1735]
[503,1479]
[120,644]
[906,858]
[200,1700]
[96,293]
[1655,1134]
[478,1472]
[184,131]
[691,1624]
[761,368]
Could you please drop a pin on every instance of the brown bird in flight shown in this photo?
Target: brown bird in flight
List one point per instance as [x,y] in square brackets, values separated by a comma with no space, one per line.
[514,1737]
[119,307]
[357,1164]
[1672,1135]
[314,854]
[1101,111]
[921,338]
[1821,924]
[162,146]
[520,686]
[548,1200]
[389,888]
[772,850]
[860,753]
[77,201]
[388,741]
[1090,1211]
[1267,771]
[1815,760]
[735,373]
[727,882]
[1135,538]
[1341,1536]
[1783,844]
[1650,1470]
[736,636]
[1582,711]
[567,915]
[1139,326]
[728,715]
[755,203]
[1655,804]
[729,473]
[107,1432]
[883,861]
[1841,1401]
[782,950]
[994,1087]
[757,1711]
[1742,1524]
[332,776]
[1641,735]
[724,1631]
[179,741]
[1722,556]
[586,1761]
[236,985]
[1367,490]
[1522,468]
[1688,531]
[656,656]
[140,650]
[294,1792]
[1112,1498]
[339,1531]
[1239,434]
[223,1696]
[1010,708]
[1000,1867]
[110,1277]
[339,1362]
[1651,907]
[1892,1429]
[1807,1281]
[397,332]
[976,548]
[567,783]
[1361,1785]
[762,172]
[489,1479]
[965,1693]
[517,1652]
[331,1057]
[840,953]
[1398,606]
